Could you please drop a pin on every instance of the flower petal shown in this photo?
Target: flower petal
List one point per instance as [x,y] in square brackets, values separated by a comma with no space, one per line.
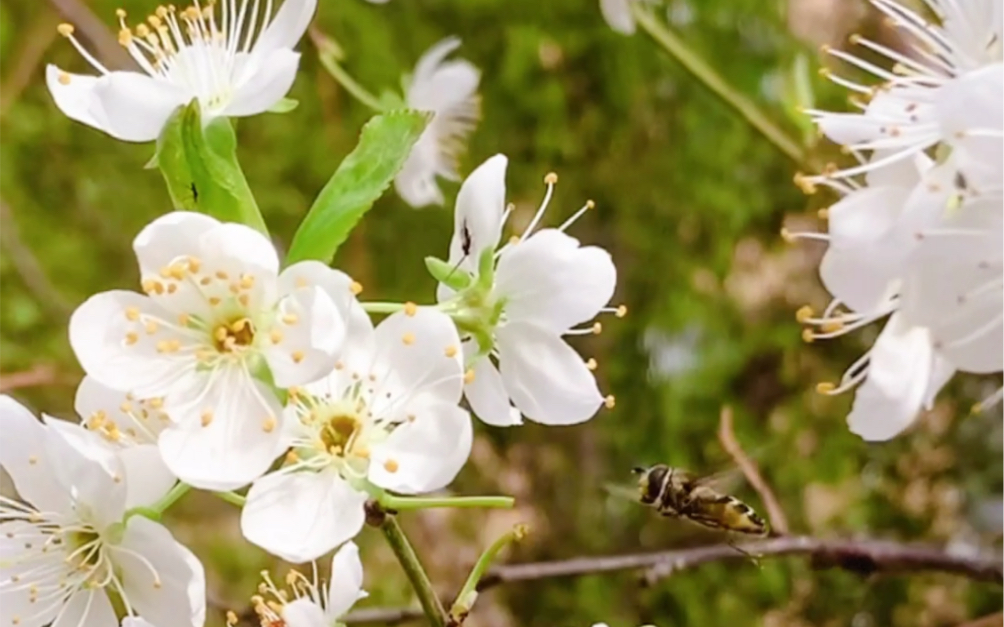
[899,373]
[287,27]
[546,379]
[972,122]
[418,359]
[109,338]
[163,580]
[74,95]
[617,14]
[87,607]
[478,215]
[23,456]
[169,237]
[118,415]
[269,83]
[346,585]
[19,561]
[135,107]
[147,476]
[303,612]
[488,397]
[229,438]
[305,339]
[551,281]
[300,516]
[423,454]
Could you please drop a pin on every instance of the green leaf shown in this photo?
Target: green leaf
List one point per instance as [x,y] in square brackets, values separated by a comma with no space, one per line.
[448,274]
[200,168]
[384,145]
[284,106]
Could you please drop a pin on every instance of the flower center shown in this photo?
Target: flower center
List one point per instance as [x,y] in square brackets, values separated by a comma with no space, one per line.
[232,337]
[339,433]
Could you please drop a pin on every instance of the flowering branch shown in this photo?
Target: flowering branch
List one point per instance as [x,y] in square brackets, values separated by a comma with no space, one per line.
[861,556]
[727,437]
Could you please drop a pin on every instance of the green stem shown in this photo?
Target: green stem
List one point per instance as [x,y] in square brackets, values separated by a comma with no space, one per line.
[358,91]
[468,594]
[413,569]
[375,307]
[232,497]
[713,81]
[403,503]
[179,490]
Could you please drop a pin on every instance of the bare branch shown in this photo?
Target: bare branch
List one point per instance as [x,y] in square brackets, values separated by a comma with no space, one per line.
[861,556]
[41,374]
[727,437]
[993,620]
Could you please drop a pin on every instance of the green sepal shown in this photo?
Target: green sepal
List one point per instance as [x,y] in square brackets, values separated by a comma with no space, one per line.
[486,268]
[391,100]
[448,274]
[384,145]
[285,105]
[200,167]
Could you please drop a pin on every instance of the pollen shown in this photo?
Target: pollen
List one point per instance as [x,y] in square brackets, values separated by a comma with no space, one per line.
[183,319]
[609,401]
[451,351]
[803,314]
[514,240]
[151,327]
[824,213]
[622,311]
[825,387]
[247,281]
[339,365]
[194,263]
[32,460]
[410,309]
[221,275]
[296,356]
[808,336]
[275,335]
[64,29]
[408,338]
[63,78]
[591,364]
[231,618]
[550,178]
[390,465]
[214,301]
[206,418]
[290,318]
[786,235]
[356,287]
[597,328]
[590,204]
[469,376]
[268,426]
[131,338]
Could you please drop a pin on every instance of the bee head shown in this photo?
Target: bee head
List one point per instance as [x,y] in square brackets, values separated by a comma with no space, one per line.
[650,482]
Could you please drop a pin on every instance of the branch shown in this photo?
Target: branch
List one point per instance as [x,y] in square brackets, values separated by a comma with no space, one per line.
[864,557]
[41,374]
[727,437]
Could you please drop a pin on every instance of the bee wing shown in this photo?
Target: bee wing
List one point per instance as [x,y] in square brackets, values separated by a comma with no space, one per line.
[620,491]
[730,478]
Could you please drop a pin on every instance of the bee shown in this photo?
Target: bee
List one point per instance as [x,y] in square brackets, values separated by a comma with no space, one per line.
[679,494]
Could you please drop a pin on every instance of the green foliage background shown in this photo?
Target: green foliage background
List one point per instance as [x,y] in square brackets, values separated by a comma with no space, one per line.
[689,202]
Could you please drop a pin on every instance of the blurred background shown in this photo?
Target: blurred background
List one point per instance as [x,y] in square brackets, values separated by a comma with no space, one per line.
[690,200]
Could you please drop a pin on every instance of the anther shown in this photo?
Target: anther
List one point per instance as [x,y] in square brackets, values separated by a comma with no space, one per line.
[591,364]
[268,426]
[297,356]
[390,465]
[63,78]
[206,418]
[408,338]
[590,204]
[808,336]
[275,335]
[451,351]
[824,213]
[64,29]
[356,288]
[609,401]
[597,328]
[550,178]
[131,338]
[469,376]
[290,318]
[803,314]
[825,387]
[410,309]
[786,235]
[621,311]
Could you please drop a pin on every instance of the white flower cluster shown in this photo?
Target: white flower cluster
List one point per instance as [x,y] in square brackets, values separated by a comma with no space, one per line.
[916,237]
[229,370]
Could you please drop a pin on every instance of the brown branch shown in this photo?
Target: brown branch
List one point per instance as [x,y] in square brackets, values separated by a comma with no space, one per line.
[41,374]
[993,620]
[861,556]
[727,437]
[105,45]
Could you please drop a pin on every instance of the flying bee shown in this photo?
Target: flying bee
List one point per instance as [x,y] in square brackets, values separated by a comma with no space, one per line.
[679,494]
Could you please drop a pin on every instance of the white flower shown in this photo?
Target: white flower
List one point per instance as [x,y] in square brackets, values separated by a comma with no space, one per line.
[66,547]
[543,284]
[235,62]
[386,416]
[449,90]
[617,14]
[216,322]
[312,606]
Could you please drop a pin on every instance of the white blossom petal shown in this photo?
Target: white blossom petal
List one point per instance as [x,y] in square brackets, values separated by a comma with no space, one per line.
[303,612]
[306,337]
[287,27]
[300,516]
[617,14]
[426,453]
[135,107]
[478,216]
[227,439]
[271,81]
[147,476]
[488,397]
[899,374]
[346,585]
[169,237]
[162,579]
[87,608]
[551,281]
[23,456]
[546,379]
[74,95]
